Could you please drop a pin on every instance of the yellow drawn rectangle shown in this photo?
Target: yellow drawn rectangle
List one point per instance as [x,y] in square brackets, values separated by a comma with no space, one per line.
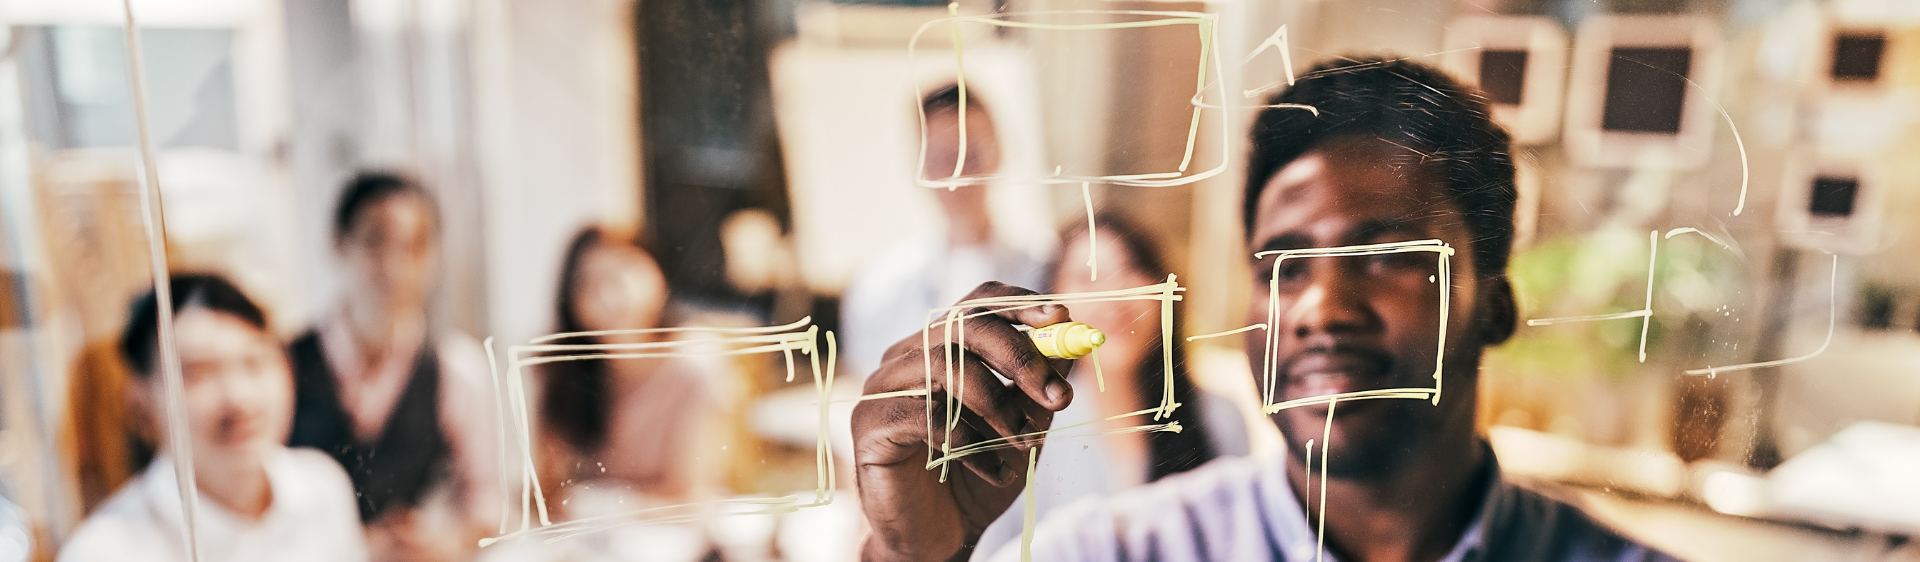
[799,337]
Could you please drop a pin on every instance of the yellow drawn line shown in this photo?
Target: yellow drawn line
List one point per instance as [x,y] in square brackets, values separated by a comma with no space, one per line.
[1228,332]
[1832,318]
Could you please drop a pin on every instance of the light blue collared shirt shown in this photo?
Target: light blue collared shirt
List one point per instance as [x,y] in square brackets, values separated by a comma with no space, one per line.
[1241,509]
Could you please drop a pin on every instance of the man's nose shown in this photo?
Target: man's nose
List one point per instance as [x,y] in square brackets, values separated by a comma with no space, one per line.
[396,258]
[1334,302]
[242,389]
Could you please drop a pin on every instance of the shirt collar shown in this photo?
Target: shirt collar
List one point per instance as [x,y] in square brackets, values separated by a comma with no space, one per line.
[344,354]
[1295,534]
[162,494]
[1472,545]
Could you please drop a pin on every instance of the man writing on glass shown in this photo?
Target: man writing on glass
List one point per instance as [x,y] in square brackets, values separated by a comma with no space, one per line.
[1394,152]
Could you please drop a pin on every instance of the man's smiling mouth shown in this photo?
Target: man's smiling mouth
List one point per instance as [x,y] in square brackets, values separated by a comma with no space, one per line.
[1339,371]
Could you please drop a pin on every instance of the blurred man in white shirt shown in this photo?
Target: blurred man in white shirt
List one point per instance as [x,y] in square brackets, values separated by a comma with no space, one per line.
[894,289]
[258,500]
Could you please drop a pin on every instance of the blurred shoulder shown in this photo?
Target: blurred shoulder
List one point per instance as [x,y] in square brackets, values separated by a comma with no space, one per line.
[1216,480]
[125,527]
[1208,513]
[904,261]
[462,358]
[310,484]
[314,469]
[1226,424]
[314,495]
[1538,521]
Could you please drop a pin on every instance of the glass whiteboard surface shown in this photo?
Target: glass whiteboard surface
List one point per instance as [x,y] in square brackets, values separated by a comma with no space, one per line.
[245,212]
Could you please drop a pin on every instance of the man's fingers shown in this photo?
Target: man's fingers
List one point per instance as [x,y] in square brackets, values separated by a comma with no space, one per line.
[1007,349]
[1014,458]
[1014,312]
[1013,355]
[889,431]
[985,464]
[894,430]
[1018,313]
[1004,410]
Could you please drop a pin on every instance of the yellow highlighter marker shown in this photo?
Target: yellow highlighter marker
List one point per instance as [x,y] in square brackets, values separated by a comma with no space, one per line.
[1067,340]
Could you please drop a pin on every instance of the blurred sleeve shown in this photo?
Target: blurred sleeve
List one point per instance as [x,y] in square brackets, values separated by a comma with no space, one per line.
[874,314]
[470,417]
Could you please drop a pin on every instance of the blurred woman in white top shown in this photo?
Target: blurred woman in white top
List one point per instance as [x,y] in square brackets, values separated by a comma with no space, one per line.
[1135,379]
[258,500]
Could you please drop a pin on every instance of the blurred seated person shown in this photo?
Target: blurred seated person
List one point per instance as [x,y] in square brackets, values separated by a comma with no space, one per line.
[627,433]
[104,443]
[258,499]
[408,414]
[1096,465]
[893,291]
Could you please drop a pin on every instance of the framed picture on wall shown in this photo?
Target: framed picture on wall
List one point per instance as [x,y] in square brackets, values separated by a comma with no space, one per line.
[1853,101]
[1855,57]
[1857,44]
[1641,92]
[1520,62]
[1831,203]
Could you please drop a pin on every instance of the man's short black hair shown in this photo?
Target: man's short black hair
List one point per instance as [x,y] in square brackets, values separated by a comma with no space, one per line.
[1408,104]
[368,188]
[141,339]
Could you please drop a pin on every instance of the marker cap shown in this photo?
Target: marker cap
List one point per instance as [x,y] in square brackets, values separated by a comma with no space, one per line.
[1067,340]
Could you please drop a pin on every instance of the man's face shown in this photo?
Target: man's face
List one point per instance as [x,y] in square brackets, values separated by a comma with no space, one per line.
[238,390]
[1346,324]
[391,252]
[943,145]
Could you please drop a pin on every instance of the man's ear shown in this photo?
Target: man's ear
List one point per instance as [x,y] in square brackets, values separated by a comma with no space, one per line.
[1502,312]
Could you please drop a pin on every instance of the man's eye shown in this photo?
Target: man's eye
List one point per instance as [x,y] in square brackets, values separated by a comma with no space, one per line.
[1288,271]
[196,371]
[1397,262]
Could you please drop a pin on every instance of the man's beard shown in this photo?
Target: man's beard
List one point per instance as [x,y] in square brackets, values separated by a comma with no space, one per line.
[1390,439]
[1391,433]
[1377,437]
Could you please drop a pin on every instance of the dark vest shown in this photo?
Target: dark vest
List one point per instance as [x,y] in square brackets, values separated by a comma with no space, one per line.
[410,455]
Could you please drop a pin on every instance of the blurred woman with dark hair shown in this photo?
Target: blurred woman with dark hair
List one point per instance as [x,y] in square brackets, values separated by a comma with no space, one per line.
[631,430]
[258,500]
[405,408]
[1074,468]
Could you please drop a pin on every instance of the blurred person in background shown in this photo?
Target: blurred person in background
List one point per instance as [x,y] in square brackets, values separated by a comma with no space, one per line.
[406,411]
[893,292]
[16,530]
[637,426]
[1134,374]
[104,443]
[1394,151]
[258,499]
